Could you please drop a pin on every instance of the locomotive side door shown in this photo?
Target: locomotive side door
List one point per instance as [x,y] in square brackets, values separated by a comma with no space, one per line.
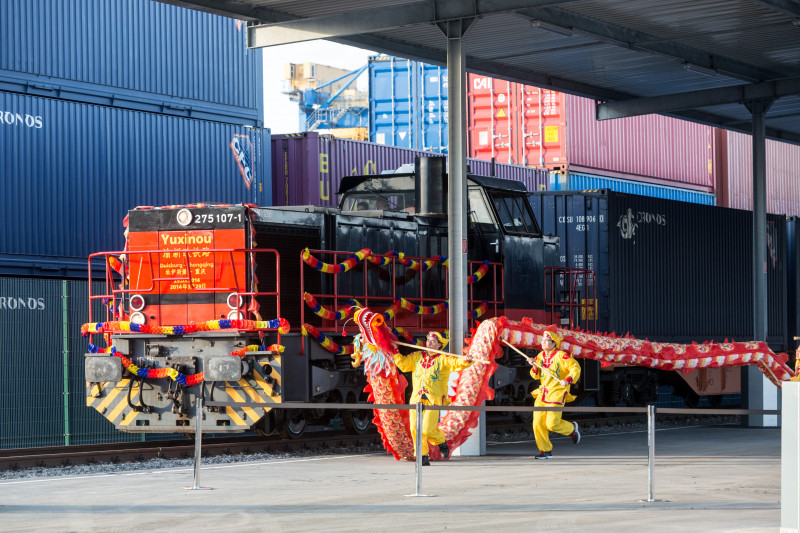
[485,240]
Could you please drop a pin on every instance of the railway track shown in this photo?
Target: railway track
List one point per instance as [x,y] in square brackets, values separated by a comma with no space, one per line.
[63,456]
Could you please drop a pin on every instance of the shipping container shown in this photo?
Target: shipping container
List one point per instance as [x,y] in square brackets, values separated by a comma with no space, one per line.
[356,134]
[793,224]
[41,321]
[307,168]
[650,148]
[664,270]
[493,111]
[589,182]
[782,162]
[407,104]
[525,125]
[72,171]
[136,54]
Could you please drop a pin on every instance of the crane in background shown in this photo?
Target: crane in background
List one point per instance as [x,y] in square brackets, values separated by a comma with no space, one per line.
[328,99]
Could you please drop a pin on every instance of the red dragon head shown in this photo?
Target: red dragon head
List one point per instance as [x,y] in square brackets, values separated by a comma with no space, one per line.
[374,330]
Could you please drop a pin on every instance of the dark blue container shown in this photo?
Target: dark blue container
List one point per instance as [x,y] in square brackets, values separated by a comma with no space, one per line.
[71,171]
[793,237]
[136,54]
[666,270]
[407,104]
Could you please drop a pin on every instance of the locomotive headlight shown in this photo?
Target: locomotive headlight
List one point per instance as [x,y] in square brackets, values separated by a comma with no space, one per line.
[235,315]
[221,368]
[99,368]
[184,217]
[137,302]
[234,300]
[137,318]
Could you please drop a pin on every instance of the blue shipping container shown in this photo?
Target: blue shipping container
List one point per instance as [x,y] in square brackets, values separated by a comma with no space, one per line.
[71,171]
[408,104]
[137,54]
[591,182]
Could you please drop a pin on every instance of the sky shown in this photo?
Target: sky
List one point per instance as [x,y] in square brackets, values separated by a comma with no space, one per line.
[281,115]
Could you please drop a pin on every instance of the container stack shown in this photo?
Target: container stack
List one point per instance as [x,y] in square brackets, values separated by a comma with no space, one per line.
[104,106]
[518,124]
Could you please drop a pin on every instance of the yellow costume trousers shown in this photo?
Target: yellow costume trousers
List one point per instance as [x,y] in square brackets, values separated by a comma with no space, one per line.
[430,433]
[546,421]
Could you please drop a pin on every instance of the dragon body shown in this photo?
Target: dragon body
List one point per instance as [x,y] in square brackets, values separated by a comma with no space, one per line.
[387,386]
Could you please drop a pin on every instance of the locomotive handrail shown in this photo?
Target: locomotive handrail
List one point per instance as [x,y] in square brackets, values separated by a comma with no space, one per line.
[550,272]
[117,293]
[365,298]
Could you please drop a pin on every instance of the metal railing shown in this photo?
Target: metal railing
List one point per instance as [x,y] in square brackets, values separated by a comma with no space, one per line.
[419,408]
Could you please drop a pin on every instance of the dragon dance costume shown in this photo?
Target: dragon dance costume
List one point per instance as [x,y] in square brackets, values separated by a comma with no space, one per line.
[551,393]
[429,381]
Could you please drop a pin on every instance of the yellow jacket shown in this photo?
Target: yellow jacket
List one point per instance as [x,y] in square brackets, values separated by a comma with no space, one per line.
[430,374]
[564,366]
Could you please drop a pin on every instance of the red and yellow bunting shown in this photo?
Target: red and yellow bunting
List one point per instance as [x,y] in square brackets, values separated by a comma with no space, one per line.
[328,268]
[382,260]
[151,373]
[423,309]
[281,324]
[279,348]
[479,311]
[478,274]
[391,311]
[325,342]
[422,266]
[327,314]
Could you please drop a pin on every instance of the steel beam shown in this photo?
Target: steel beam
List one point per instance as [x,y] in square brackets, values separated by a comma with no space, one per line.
[768,90]
[381,18]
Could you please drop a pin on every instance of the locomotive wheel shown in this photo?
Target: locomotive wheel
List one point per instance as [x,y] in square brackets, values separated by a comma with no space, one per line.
[267,425]
[358,421]
[294,426]
[525,417]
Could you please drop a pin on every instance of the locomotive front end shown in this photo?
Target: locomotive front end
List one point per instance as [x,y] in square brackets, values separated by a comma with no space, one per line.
[183,321]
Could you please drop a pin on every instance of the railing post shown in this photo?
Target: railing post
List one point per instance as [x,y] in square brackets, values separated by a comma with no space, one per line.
[651,452]
[198,441]
[418,453]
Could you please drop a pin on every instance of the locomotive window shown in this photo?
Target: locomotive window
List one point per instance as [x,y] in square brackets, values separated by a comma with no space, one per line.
[515,214]
[478,210]
[381,202]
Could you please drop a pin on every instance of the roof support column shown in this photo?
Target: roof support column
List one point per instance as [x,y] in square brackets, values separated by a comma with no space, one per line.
[760,393]
[457,182]
[455,30]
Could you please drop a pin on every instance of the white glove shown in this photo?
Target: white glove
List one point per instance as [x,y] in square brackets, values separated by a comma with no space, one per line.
[564,382]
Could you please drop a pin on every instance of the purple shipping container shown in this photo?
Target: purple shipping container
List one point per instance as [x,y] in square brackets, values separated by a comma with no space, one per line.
[652,148]
[307,168]
[783,187]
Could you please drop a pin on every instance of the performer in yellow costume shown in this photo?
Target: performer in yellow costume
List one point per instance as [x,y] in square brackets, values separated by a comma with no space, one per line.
[429,380]
[556,371]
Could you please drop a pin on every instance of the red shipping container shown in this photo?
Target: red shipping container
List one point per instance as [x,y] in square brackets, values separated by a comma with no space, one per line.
[526,125]
[542,129]
[736,186]
[307,168]
[492,119]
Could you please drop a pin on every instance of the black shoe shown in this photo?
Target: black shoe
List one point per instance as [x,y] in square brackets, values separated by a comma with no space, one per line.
[425,461]
[575,435]
[544,455]
[444,450]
